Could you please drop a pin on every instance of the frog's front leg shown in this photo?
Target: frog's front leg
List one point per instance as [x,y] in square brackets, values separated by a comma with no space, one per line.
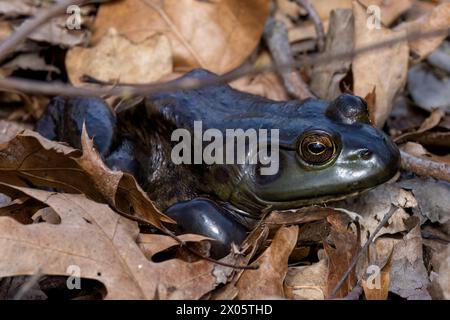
[205,217]
[63,120]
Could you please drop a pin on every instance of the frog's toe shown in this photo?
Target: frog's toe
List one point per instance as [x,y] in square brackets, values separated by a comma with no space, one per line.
[205,217]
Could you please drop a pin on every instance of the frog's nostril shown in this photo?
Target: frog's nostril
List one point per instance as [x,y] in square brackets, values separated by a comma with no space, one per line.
[365,154]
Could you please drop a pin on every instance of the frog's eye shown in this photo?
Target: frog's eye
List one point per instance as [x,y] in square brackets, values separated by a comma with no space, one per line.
[317,148]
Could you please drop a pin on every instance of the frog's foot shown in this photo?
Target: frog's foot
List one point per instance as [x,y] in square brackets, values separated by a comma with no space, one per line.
[64,118]
[205,217]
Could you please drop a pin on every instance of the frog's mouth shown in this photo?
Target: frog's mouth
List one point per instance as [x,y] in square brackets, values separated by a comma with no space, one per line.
[253,205]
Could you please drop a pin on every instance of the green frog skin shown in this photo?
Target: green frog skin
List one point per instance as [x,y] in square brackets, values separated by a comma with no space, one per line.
[328,151]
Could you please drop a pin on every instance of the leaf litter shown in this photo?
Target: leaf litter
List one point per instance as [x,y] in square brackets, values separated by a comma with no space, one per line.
[60,206]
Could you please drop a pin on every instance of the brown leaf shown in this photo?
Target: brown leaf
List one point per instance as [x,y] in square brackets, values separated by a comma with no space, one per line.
[217,35]
[418,150]
[431,122]
[30,158]
[377,286]
[307,282]
[340,255]
[299,216]
[267,280]
[116,59]
[14,9]
[151,244]
[437,19]
[55,32]
[9,129]
[325,7]
[373,205]
[390,10]
[409,277]
[102,244]
[267,85]
[289,8]
[251,246]
[371,70]
[444,273]
[326,78]
[29,61]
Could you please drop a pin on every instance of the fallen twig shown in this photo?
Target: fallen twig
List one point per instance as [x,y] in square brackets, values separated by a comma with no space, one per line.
[201,256]
[424,167]
[53,89]
[320,31]
[275,34]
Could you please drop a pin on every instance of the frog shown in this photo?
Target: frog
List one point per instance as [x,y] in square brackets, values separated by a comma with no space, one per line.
[327,151]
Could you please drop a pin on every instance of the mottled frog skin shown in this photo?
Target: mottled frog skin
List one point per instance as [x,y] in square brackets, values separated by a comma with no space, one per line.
[328,150]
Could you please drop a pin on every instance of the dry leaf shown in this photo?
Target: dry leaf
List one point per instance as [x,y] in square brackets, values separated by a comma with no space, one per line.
[431,122]
[29,61]
[9,129]
[289,8]
[17,8]
[151,244]
[419,151]
[444,273]
[23,106]
[432,197]
[437,19]
[389,10]
[55,32]
[373,205]
[116,59]
[251,246]
[299,216]
[376,280]
[102,244]
[30,158]
[326,78]
[428,88]
[307,282]
[5,30]
[340,255]
[217,36]
[409,277]
[371,70]
[267,85]
[324,7]
[267,280]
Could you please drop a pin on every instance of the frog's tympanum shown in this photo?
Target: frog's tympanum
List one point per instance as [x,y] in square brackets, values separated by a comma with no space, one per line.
[327,151]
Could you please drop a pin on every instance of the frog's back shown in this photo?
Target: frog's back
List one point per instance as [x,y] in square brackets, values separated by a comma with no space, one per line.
[221,107]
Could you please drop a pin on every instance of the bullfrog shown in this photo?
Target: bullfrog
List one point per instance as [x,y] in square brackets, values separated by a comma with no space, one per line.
[326,150]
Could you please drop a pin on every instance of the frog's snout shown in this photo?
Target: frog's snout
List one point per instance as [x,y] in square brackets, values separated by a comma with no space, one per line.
[378,160]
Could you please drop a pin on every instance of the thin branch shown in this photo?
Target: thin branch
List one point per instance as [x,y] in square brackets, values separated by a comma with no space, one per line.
[52,89]
[320,31]
[276,36]
[424,167]
[201,256]
[362,252]
[8,45]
